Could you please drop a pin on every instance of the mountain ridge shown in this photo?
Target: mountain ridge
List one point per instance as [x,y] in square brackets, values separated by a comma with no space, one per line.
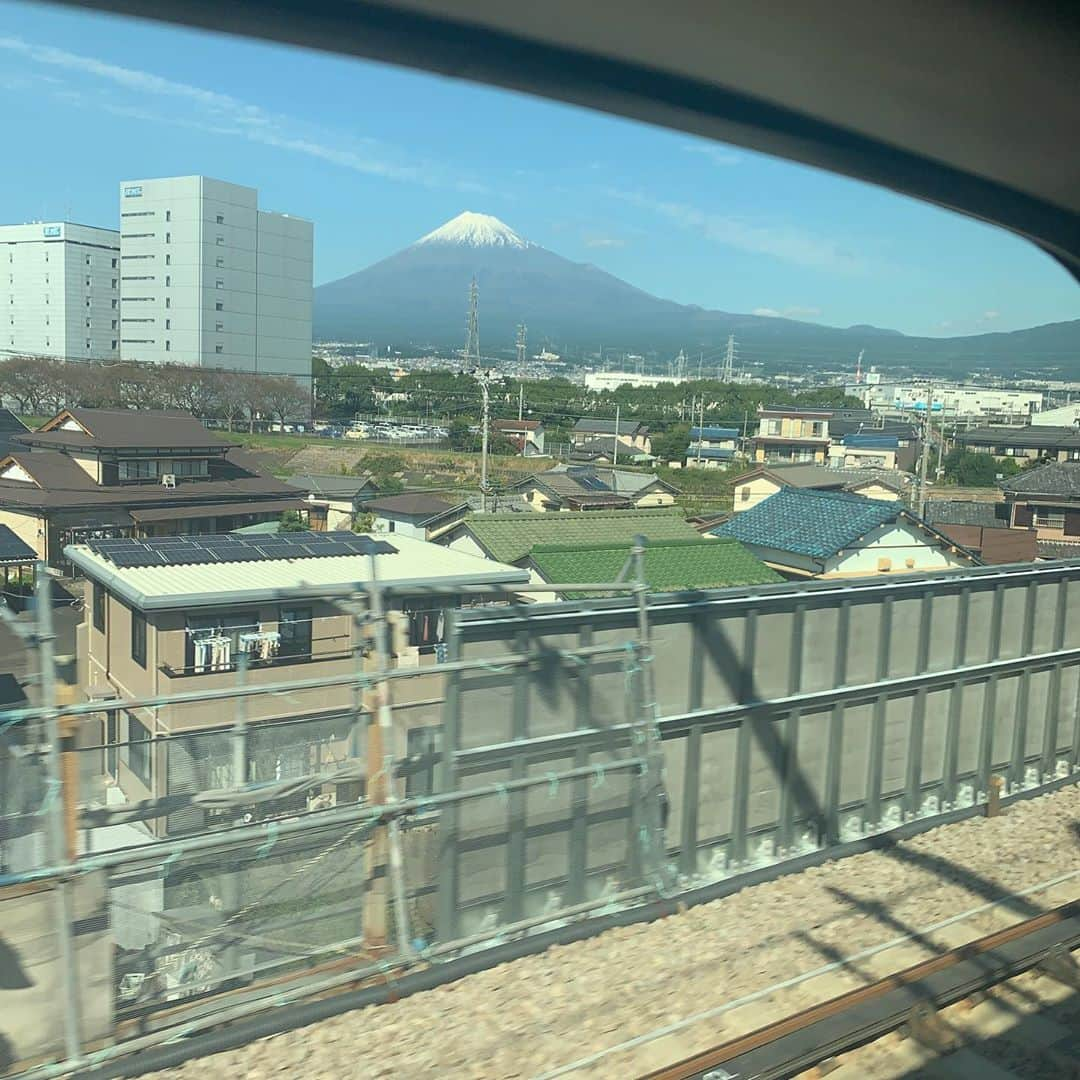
[420,294]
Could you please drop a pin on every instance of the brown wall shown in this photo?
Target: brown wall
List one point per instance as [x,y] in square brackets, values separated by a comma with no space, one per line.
[1008,545]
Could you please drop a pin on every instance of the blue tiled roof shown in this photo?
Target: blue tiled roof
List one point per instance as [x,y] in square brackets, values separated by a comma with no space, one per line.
[807,522]
[714,433]
[872,442]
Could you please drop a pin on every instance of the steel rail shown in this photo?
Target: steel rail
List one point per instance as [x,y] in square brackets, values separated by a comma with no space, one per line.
[843,1023]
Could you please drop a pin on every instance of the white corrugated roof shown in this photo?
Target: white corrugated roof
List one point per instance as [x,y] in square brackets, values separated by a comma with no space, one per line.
[415,563]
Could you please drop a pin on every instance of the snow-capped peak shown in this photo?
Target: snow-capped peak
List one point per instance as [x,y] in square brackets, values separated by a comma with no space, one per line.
[475,230]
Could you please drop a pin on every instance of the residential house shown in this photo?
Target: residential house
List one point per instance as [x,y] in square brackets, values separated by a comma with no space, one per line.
[629,432]
[166,617]
[526,435]
[18,556]
[408,514]
[759,483]
[585,487]
[1047,499]
[800,533]
[982,527]
[1031,442]
[127,472]
[669,565]
[510,538]
[334,500]
[610,451]
[494,504]
[789,433]
[866,450]
[711,447]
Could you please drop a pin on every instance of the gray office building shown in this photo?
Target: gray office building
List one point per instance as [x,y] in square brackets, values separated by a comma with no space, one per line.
[207,278]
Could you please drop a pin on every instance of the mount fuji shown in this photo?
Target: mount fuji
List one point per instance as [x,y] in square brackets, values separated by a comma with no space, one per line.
[420,294]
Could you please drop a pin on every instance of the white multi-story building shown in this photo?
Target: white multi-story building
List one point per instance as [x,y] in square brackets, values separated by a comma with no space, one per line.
[208,278]
[59,291]
[973,403]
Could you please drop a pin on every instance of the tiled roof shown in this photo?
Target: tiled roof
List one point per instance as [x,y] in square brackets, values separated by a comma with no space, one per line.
[872,441]
[510,537]
[412,504]
[1030,437]
[987,515]
[331,486]
[805,522]
[516,425]
[592,485]
[14,550]
[708,433]
[607,427]
[10,426]
[1057,549]
[670,565]
[826,478]
[1055,478]
[121,428]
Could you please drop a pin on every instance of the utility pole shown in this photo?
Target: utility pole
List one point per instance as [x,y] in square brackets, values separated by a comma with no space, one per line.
[701,429]
[484,378]
[521,400]
[925,455]
[615,456]
[729,359]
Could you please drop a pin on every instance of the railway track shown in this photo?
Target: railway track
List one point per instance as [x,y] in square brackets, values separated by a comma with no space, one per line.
[911,999]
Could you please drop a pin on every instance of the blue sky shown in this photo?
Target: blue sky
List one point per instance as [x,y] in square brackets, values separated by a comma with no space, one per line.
[378,156]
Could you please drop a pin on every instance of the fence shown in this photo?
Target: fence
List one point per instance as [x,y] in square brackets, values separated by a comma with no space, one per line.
[562,760]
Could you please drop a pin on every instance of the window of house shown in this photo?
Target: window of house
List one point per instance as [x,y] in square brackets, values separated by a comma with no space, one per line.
[772,427]
[294,625]
[138,469]
[112,737]
[214,641]
[422,750]
[138,637]
[99,607]
[744,494]
[139,749]
[1050,519]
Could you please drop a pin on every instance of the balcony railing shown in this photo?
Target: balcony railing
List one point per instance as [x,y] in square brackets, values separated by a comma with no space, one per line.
[253,663]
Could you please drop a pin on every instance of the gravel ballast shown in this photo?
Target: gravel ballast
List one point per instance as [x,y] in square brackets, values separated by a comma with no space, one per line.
[541,1013]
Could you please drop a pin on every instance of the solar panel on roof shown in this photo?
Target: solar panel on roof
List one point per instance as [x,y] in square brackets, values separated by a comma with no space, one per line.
[137,557]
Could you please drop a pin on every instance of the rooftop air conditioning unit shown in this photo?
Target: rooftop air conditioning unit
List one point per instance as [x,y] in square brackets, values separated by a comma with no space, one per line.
[168,480]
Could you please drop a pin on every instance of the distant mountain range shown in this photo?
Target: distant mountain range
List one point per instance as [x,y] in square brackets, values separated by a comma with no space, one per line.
[420,295]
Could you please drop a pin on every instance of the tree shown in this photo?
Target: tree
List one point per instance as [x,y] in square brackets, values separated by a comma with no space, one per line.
[384,467]
[672,444]
[364,522]
[967,469]
[285,398]
[21,379]
[291,521]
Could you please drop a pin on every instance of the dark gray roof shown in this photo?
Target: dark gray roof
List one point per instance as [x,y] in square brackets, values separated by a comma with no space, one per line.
[409,505]
[1054,478]
[10,426]
[824,478]
[13,549]
[607,427]
[1057,549]
[330,486]
[126,428]
[1030,437]
[986,515]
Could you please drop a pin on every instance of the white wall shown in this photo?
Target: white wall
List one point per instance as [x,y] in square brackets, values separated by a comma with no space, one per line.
[898,544]
[59,290]
[208,279]
[385,524]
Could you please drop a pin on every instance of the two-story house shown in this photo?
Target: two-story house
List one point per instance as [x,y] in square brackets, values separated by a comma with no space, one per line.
[173,616]
[527,435]
[588,487]
[788,433]
[711,447]
[631,434]
[124,472]
[1047,499]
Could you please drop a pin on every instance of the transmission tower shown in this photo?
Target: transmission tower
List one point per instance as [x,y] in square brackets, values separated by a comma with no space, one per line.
[521,341]
[472,326]
[680,366]
[728,372]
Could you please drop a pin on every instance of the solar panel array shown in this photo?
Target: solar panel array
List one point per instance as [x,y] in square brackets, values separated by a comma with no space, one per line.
[235,548]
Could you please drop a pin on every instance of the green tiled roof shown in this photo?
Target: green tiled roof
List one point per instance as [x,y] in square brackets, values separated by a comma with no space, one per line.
[510,537]
[670,566]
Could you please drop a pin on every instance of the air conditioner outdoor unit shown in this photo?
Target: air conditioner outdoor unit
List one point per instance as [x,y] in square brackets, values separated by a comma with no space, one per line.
[168,480]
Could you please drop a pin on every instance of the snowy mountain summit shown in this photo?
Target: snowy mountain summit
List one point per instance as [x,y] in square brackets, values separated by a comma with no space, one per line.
[475,230]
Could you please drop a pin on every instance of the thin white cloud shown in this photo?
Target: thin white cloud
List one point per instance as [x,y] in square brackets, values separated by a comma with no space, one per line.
[990,316]
[221,114]
[789,243]
[794,312]
[603,240]
[718,155]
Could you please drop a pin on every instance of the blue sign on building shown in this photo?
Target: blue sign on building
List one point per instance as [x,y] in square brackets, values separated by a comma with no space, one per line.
[51,230]
[132,192]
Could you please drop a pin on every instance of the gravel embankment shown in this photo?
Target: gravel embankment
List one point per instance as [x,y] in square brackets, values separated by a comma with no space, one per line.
[529,1017]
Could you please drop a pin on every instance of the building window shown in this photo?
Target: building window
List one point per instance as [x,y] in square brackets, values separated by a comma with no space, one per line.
[113,343]
[221,219]
[219,327]
[422,750]
[168,302]
[168,324]
[168,260]
[138,637]
[113,327]
[220,241]
[88,301]
[88,283]
[114,264]
[168,345]
[88,324]
[99,607]
[219,284]
[219,348]
[112,737]
[294,626]
[168,238]
[139,747]
[220,261]
[115,283]
[87,260]
[1050,519]
[219,306]
[115,303]
[214,641]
